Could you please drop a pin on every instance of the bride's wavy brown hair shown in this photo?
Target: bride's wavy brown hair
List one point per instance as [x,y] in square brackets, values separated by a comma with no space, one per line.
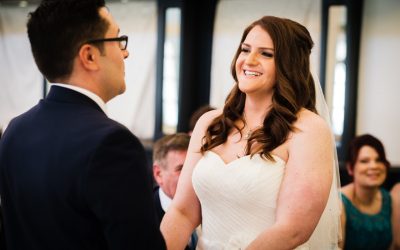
[294,89]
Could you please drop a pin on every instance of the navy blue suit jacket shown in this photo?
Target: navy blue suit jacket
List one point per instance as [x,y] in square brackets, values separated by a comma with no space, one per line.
[71,178]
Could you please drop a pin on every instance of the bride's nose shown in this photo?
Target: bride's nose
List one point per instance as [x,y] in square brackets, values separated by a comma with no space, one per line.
[251,59]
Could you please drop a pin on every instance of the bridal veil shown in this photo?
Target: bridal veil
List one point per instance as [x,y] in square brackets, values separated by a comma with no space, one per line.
[328,231]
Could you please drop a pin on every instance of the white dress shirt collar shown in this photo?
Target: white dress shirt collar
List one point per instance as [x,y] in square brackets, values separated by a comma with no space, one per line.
[85,92]
[164,200]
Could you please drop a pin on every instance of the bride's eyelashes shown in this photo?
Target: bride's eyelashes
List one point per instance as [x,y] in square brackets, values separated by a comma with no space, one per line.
[263,53]
[267,54]
[245,50]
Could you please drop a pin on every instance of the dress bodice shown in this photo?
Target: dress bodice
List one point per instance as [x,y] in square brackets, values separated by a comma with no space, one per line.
[365,231]
[238,199]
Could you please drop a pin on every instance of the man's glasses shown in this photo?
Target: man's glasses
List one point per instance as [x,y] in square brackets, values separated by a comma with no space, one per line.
[123,41]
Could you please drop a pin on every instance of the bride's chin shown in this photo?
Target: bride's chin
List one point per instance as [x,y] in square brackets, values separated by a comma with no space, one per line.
[243,87]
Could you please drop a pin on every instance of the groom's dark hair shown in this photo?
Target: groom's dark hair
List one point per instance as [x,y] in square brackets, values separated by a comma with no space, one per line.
[58,28]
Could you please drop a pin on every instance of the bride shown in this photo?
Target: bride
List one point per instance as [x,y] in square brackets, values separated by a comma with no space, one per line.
[261,172]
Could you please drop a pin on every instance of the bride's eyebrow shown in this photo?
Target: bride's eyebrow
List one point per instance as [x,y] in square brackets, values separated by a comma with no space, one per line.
[260,48]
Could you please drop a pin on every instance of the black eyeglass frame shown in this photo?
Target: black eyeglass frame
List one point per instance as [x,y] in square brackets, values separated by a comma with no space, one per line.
[113,39]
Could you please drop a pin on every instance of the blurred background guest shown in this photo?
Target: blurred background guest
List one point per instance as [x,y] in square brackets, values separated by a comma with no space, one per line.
[395,194]
[366,217]
[169,154]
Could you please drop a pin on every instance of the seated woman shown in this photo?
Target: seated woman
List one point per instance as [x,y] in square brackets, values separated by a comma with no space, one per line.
[395,193]
[366,217]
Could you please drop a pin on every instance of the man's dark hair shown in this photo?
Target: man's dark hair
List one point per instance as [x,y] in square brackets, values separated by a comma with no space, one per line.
[58,28]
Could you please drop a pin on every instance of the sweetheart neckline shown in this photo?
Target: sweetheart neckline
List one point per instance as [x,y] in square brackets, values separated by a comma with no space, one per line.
[277,158]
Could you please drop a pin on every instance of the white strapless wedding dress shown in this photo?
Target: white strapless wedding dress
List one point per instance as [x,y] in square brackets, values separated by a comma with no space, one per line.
[238,199]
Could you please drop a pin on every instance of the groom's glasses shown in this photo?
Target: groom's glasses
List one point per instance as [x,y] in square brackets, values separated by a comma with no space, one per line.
[123,41]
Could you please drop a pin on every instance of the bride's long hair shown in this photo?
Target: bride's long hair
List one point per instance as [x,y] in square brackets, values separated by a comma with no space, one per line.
[294,89]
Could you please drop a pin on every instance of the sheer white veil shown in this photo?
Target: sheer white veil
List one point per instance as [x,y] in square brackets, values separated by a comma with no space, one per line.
[328,231]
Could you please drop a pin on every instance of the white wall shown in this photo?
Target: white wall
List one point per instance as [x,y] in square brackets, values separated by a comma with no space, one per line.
[20,80]
[379,79]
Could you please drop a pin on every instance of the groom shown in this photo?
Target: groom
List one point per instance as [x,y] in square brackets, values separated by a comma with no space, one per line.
[70,177]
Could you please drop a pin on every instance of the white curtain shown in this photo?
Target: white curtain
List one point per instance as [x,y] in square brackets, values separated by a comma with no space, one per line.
[136,107]
[21,82]
[233,16]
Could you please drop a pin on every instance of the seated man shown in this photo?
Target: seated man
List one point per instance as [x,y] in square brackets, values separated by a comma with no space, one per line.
[169,154]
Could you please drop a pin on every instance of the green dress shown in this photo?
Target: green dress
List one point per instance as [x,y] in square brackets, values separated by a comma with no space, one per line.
[365,231]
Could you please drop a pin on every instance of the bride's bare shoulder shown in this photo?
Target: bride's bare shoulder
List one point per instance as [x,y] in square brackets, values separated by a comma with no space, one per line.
[310,121]
[310,128]
[204,122]
[206,119]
